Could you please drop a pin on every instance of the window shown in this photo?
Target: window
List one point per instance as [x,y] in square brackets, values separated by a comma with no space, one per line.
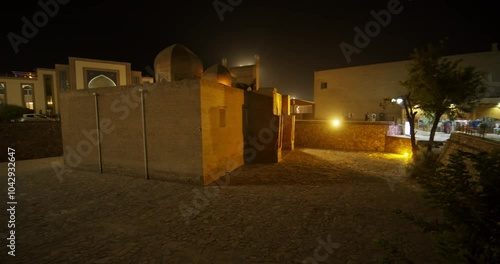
[28,91]
[222,117]
[49,90]
[324,85]
[28,96]
[3,97]
[63,80]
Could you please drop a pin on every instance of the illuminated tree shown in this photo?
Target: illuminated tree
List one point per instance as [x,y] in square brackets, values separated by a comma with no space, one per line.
[441,86]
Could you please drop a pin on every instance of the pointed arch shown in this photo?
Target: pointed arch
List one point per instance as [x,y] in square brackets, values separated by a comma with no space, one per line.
[101,81]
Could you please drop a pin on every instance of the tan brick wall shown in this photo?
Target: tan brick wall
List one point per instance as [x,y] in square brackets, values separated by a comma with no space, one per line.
[222,140]
[359,136]
[174,136]
[78,127]
[463,142]
[173,130]
[398,145]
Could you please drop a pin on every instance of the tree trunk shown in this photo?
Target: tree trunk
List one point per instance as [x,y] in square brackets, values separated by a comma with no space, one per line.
[410,116]
[437,116]
[414,146]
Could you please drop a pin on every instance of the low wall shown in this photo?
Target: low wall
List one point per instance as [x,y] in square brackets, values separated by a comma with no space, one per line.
[31,140]
[353,135]
[398,145]
[464,142]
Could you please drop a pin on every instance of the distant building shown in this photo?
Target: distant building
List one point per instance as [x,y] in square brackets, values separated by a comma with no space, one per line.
[190,125]
[38,90]
[247,76]
[302,109]
[34,90]
[361,90]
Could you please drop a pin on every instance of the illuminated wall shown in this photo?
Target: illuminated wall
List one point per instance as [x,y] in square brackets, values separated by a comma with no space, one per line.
[361,89]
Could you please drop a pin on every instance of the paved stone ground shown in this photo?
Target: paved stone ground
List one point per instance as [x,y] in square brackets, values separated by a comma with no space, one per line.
[275,213]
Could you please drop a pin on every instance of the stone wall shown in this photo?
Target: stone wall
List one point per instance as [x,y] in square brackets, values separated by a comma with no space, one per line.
[222,131]
[358,136]
[474,144]
[174,130]
[398,144]
[31,140]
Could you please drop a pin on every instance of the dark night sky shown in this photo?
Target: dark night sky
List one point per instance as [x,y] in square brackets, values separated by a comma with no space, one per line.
[293,39]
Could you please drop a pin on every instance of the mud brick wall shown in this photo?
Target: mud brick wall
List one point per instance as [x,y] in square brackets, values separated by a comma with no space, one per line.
[398,144]
[31,140]
[357,136]
[473,144]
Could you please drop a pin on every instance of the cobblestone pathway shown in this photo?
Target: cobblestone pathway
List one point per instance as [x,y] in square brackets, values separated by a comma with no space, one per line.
[322,206]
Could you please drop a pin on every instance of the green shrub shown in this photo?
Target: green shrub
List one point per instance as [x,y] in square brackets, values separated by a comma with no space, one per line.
[467,191]
[9,112]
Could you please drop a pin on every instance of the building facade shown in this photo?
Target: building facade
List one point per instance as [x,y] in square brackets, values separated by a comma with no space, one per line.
[361,91]
[34,90]
[39,90]
[191,125]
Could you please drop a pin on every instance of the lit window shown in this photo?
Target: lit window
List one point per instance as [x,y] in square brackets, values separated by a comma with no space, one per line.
[2,93]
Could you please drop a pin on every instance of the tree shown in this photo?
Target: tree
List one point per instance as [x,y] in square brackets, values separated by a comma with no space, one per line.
[441,86]
[10,112]
[466,192]
[410,113]
[406,102]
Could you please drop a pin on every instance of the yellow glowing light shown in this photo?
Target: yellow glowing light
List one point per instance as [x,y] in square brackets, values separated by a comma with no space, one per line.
[406,154]
[336,123]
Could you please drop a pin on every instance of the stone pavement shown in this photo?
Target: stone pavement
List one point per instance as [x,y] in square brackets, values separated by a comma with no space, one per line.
[317,206]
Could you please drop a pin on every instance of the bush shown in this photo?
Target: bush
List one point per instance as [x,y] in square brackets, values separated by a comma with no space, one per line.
[467,190]
[10,112]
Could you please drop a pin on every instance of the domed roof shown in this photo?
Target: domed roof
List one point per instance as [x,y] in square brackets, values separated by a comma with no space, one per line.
[220,74]
[176,63]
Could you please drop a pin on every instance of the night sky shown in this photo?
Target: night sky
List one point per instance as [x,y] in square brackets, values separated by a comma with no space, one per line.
[293,39]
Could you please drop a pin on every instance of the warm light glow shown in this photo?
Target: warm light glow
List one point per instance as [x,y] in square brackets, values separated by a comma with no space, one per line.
[336,123]
[393,100]
[399,100]
[29,105]
[406,154]
[407,128]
